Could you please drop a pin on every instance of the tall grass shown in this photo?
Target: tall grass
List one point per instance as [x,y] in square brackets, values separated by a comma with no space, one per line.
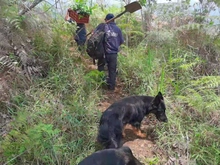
[137,70]
[55,120]
[192,133]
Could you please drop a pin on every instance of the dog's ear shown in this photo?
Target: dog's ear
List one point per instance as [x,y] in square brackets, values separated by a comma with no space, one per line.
[157,100]
[160,95]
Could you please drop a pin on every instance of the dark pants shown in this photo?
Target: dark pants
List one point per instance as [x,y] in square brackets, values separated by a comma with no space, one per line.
[101,64]
[111,61]
[80,36]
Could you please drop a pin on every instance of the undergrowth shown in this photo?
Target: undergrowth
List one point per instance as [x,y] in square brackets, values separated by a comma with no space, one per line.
[55,121]
[192,99]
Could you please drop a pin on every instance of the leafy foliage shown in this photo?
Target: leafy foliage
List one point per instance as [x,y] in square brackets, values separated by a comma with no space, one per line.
[159,38]
[137,69]
[82,8]
[36,140]
[95,78]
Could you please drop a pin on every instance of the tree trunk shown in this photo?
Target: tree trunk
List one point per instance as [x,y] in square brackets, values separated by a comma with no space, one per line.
[35,3]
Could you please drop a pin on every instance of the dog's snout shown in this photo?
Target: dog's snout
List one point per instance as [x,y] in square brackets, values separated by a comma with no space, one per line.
[163,118]
[166,120]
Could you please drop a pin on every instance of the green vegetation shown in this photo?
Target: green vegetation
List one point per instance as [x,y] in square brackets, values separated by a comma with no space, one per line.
[55,118]
[82,7]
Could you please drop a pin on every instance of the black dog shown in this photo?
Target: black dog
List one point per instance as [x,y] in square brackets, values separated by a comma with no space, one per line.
[121,156]
[130,110]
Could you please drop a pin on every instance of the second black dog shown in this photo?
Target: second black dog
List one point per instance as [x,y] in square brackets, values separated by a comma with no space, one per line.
[121,156]
[130,110]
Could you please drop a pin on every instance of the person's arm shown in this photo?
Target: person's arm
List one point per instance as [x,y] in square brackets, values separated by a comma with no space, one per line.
[68,18]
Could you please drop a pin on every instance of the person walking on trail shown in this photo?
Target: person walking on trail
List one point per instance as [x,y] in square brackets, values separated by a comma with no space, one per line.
[80,36]
[113,40]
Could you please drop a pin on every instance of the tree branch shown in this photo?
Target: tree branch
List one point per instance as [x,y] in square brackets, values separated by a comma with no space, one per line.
[35,3]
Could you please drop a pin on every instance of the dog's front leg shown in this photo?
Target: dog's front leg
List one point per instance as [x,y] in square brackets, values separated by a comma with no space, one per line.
[136,129]
[123,132]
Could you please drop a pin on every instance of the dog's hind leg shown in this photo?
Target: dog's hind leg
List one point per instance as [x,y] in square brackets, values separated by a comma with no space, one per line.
[115,141]
[115,138]
[117,134]
[138,132]
[123,132]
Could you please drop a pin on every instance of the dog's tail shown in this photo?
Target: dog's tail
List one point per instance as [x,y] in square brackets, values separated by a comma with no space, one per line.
[103,135]
[107,136]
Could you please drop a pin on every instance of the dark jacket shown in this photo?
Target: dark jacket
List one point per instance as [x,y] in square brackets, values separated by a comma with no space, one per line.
[113,37]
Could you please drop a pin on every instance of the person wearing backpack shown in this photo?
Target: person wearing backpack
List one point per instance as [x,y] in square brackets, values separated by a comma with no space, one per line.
[112,41]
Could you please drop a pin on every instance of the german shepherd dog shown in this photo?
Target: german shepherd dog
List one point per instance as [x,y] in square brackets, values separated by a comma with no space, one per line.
[120,156]
[129,110]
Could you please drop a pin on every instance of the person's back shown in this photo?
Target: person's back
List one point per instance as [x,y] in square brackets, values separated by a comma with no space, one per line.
[113,38]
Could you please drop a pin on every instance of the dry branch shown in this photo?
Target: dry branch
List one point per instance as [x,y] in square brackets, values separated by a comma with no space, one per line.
[35,3]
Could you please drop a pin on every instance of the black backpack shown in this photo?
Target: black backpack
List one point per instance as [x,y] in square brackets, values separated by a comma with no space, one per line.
[95,44]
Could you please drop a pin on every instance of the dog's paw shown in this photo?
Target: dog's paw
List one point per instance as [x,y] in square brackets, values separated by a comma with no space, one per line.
[142,135]
[123,134]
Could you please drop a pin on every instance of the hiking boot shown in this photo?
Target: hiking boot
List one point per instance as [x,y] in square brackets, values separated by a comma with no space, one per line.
[111,88]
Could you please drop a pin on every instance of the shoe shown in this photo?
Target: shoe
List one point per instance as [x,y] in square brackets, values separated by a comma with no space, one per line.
[110,88]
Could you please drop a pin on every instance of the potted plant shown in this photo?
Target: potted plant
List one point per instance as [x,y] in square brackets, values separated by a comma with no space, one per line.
[80,11]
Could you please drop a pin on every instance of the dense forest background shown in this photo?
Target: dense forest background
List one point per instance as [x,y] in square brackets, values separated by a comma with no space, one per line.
[51,97]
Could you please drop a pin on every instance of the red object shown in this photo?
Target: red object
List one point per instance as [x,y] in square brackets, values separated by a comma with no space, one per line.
[77,17]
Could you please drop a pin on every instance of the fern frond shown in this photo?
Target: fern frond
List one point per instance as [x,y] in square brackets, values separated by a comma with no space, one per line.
[16,22]
[138,33]
[159,37]
[215,104]
[191,26]
[188,66]
[6,62]
[207,82]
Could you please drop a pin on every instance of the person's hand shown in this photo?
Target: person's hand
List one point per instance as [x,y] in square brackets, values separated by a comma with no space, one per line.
[67,17]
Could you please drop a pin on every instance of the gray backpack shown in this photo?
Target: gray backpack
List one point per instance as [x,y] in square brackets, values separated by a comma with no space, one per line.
[95,44]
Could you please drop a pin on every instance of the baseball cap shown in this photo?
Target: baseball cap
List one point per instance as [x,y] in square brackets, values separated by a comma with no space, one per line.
[109,16]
